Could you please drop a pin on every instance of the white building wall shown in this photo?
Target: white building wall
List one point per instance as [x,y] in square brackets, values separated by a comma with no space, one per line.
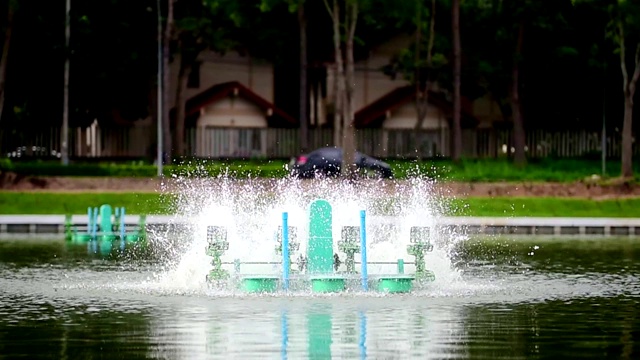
[405,117]
[233,112]
[216,69]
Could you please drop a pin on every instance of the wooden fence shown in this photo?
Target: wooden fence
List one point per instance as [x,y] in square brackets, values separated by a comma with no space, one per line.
[140,142]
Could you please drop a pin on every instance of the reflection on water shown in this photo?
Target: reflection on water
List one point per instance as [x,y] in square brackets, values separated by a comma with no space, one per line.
[516,299]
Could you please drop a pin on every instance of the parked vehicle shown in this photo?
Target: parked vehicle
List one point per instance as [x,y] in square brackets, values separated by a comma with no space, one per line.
[327,162]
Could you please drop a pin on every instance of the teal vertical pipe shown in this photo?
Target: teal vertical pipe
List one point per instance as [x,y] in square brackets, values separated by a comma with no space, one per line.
[400,266]
[362,344]
[89,221]
[118,221]
[122,232]
[285,251]
[285,335]
[363,250]
[95,223]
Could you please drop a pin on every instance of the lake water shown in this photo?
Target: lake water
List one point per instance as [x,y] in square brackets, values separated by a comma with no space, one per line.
[510,299]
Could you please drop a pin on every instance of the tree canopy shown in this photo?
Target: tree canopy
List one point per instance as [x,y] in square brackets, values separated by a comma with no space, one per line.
[569,61]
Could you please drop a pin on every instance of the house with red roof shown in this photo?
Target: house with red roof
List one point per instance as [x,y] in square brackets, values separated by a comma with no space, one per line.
[229,119]
[229,105]
[388,105]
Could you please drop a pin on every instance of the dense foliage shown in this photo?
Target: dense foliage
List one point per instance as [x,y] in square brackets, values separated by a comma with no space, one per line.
[561,59]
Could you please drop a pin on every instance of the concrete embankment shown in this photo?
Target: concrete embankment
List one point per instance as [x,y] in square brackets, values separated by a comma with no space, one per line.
[11,225]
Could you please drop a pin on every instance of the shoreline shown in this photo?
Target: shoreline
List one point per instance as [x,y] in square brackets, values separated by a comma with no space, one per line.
[471,225]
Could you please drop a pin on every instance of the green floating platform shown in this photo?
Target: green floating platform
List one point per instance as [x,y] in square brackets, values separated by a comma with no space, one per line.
[132,237]
[82,237]
[327,284]
[259,284]
[395,284]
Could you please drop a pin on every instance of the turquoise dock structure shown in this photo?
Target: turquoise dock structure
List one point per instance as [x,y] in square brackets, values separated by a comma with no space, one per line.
[318,270]
[105,225]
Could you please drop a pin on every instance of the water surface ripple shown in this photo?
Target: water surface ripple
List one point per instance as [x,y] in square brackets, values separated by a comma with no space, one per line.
[513,299]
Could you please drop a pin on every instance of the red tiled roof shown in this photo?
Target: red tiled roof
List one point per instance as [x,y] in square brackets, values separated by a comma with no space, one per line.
[367,116]
[223,90]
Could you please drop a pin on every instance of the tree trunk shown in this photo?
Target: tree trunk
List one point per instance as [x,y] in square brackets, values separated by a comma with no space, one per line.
[183,78]
[5,56]
[304,95]
[337,109]
[457,65]
[64,142]
[349,169]
[422,90]
[153,114]
[627,140]
[629,90]
[519,156]
[339,91]
[166,120]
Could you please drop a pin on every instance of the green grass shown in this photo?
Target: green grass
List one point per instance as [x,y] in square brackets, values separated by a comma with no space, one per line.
[239,168]
[77,203]
[150,203]
[546,207]
[482,170]
[494,170]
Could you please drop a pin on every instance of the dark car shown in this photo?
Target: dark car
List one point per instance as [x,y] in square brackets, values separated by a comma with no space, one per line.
[326,162]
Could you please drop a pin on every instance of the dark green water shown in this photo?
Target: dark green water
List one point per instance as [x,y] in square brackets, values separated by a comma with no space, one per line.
[502,299]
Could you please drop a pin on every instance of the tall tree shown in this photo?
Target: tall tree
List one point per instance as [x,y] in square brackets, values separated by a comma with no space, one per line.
[502,65]
[421,63]
[303,83]
[344,70]
[167,152]
[624,29]
[627,33]
[519,140]
[424,72]
[457,70]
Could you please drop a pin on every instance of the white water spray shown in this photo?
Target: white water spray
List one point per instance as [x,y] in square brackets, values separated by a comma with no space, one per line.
[251,211]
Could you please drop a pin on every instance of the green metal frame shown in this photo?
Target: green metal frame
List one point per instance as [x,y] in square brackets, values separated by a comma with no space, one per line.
[218,244]
[419,245]
[350,245]
[294,245]
[107,230]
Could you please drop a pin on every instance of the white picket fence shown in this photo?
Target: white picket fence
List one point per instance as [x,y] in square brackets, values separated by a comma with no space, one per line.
[140,142]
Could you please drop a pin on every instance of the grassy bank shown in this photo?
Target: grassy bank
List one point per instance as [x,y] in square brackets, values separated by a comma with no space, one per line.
[484,170]
[76,203]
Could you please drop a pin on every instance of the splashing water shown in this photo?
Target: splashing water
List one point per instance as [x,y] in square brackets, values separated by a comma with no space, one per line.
[251,211]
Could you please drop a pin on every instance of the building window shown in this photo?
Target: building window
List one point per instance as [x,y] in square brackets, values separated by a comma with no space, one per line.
[194,76]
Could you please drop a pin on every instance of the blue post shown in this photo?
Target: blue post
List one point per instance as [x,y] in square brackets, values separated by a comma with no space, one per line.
[94,230]
[117,216]
[89,221]
[95,223]
[285,335]
[122,233]
[363,335]
[285,251]
[363,250]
